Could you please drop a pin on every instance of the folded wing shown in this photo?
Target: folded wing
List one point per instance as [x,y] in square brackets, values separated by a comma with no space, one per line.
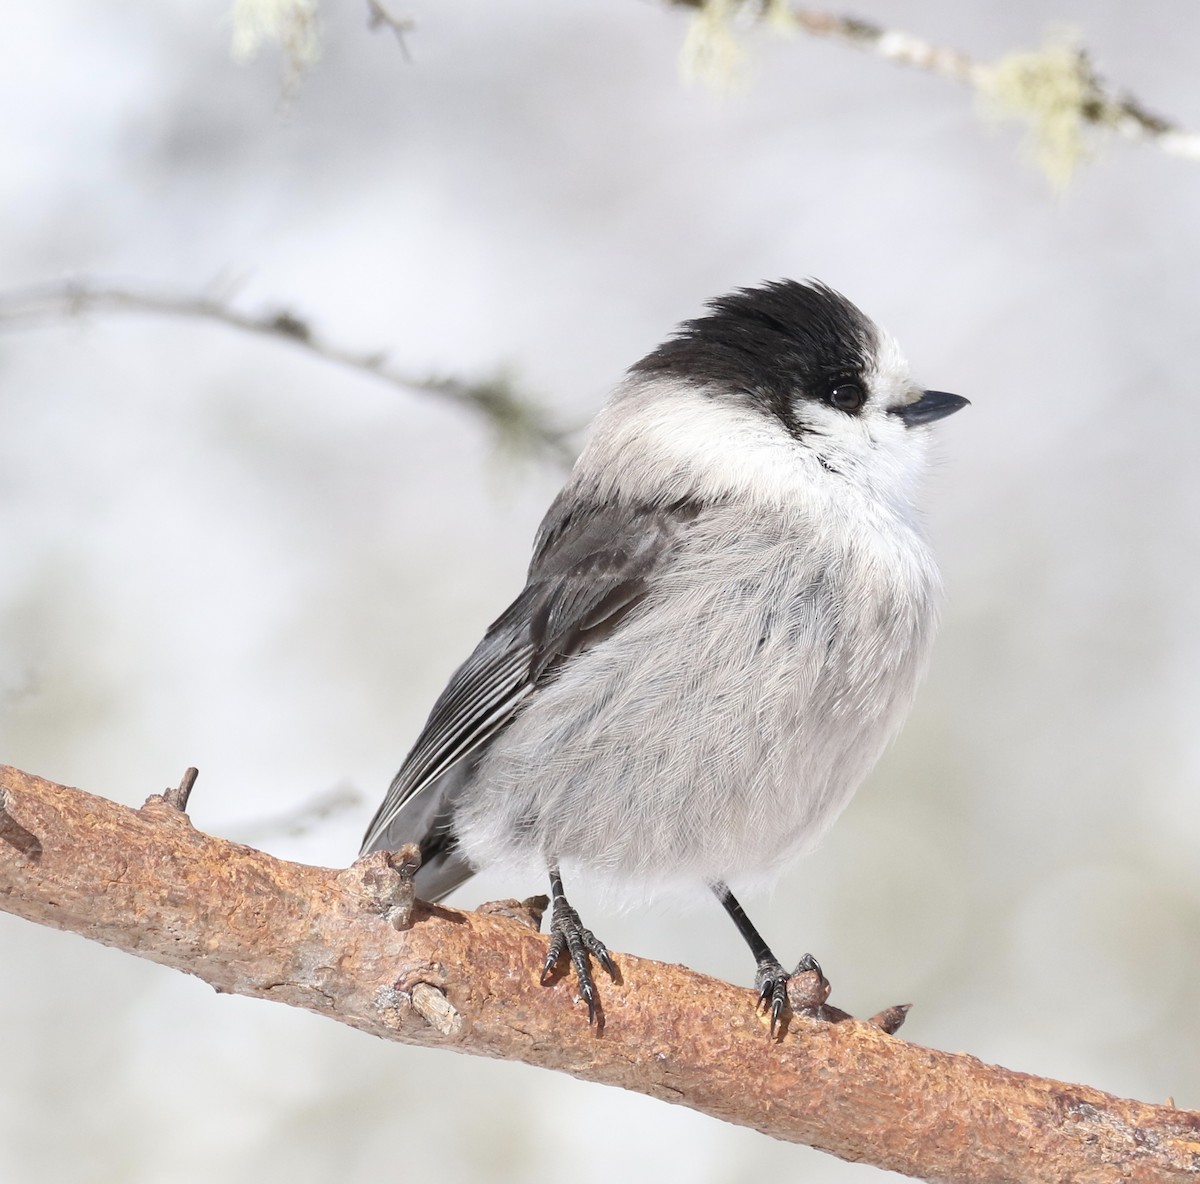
[591,567]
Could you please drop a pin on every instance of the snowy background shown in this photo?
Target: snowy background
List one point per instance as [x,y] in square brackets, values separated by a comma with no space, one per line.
[218,551]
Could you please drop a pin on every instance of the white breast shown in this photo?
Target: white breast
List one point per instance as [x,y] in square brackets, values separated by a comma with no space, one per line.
[724,726]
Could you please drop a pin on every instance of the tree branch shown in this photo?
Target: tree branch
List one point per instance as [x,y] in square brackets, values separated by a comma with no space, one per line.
[515,418]
[353,945]
[378,17]
[1056,89]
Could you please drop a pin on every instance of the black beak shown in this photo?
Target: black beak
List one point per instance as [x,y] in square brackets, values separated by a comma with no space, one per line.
[930,406]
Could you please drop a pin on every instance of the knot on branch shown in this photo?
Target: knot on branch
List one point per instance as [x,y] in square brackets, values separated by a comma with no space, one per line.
[528,912]
[808,989]
[15,835]
[384,881]
[808,994]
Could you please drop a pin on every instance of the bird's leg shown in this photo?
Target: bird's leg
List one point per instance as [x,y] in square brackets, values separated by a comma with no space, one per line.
[771,978]
[568,936]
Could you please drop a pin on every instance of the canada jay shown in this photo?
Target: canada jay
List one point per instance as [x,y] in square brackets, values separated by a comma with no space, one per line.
[727,613]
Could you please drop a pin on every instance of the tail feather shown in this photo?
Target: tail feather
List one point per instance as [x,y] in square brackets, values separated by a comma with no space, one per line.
[428,820]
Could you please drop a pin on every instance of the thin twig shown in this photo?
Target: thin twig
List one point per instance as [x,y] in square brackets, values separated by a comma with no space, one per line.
[1099,105]
[516,419]
[178,795]
[378,17]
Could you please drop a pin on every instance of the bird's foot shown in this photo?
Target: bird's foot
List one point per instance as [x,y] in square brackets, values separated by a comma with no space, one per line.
[772,984]
[568,936]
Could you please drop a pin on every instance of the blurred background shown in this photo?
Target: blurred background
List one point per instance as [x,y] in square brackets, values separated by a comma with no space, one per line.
[220,551]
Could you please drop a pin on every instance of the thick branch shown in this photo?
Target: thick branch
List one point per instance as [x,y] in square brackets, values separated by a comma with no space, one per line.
[514,417]
[145,881]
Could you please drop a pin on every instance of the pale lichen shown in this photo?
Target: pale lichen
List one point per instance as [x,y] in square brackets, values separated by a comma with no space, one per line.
[292,24]
[711,55]
[779,18]
[1054,91]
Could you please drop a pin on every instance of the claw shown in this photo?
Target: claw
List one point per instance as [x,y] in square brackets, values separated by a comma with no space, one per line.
[771,981]
[558,945]
[601,952]
[589,997]
[808,962]
[568,936]
[809,988]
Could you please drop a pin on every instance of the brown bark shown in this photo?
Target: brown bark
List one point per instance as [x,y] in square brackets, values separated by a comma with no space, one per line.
[352,945]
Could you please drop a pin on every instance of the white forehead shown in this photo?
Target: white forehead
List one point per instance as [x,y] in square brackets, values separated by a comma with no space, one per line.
[888,375]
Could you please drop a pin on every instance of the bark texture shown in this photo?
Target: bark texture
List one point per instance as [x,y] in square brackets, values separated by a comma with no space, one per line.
[352,945]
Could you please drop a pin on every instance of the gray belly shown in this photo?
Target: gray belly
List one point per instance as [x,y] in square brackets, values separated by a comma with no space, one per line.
[724,726]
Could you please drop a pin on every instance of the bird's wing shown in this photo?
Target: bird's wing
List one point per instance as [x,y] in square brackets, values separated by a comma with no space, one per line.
[590,568]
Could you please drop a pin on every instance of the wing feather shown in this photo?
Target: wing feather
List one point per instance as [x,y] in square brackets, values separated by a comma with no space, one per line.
[591,567]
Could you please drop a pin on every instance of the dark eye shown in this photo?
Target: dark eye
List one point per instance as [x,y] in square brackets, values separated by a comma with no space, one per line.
[847,396]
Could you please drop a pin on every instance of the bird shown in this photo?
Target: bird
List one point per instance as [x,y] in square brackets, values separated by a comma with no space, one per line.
[727,613]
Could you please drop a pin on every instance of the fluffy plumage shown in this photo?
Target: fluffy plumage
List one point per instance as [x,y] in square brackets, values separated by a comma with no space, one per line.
[726,616]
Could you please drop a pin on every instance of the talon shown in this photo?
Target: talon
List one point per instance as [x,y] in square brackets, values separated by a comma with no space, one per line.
[808,962]
[558,945]
[600,951]
[568,936]
[778,1002]
[772,981]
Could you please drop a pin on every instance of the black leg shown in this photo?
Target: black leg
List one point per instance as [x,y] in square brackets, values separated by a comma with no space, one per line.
[568,936]
[771,978]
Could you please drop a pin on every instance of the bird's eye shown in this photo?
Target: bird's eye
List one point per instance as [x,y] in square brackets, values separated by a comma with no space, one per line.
[847,396]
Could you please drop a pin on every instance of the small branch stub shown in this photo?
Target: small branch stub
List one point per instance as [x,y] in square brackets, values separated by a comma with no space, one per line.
[435,1009]
[890,1019]
[178,797]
